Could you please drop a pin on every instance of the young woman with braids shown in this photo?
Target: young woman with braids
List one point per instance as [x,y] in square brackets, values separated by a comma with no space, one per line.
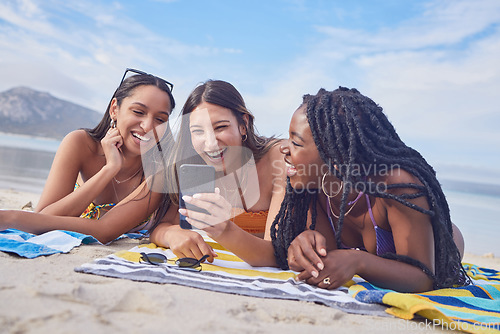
[106,166]
[359,201]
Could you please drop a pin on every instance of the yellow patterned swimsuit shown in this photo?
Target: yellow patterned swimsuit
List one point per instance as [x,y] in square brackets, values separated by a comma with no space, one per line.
[97,211]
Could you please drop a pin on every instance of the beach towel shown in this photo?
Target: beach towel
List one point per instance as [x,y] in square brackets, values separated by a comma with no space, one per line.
[30,245]
[473,309]
[227,274]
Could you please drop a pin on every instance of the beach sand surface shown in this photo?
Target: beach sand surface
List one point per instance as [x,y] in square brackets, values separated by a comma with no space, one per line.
[46,295]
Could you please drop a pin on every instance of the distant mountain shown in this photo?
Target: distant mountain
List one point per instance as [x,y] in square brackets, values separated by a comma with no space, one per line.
[30,112]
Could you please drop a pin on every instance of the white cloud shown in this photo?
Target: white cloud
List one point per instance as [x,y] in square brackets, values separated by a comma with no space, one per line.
[26,15]
[440,66]
[437,76]
[29,8]
[446,86]
[444,23]
[89,44]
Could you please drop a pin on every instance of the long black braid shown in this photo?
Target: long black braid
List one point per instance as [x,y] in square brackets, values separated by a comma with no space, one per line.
[350,130]
[293,215]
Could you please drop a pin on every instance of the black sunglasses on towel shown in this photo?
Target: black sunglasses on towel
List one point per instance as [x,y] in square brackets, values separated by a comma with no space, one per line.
[184,263]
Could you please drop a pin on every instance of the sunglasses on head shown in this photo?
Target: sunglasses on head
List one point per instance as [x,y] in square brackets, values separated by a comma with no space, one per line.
[169,84]
[183,263]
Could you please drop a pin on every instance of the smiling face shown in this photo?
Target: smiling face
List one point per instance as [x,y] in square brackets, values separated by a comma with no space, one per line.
[304,165]
[147,108]
[216,135]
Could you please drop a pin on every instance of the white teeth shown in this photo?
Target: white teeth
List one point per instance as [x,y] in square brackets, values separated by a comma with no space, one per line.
[138,136]
[289,165]
[215,154]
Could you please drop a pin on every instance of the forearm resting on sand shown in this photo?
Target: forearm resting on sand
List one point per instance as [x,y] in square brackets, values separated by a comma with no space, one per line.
[38,223]
[74,203]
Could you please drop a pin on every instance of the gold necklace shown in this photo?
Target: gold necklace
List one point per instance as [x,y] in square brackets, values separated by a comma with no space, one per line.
[116,194]
[353,203]
[128,179]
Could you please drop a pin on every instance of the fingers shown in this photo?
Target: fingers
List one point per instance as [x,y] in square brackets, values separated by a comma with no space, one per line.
[212,255]
[193,253]
[210,201]
[203,249]
[219,210]
[192,245]
[303,253]
[313,258]
[320,247]
[304,276]
[328,282]
[323,281]
[199,219]
[111,144]
[301,261]
[112,133]
[320,242]
[199,222]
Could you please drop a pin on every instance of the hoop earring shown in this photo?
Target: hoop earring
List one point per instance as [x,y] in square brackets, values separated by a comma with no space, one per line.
[244,137]
[323,187]
[112,124]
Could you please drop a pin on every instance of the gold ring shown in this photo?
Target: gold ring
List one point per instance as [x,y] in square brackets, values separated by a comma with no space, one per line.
[326,281]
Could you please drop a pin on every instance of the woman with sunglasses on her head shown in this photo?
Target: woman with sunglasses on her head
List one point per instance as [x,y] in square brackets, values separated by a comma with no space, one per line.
[359,201]
[98,173]
[218,130]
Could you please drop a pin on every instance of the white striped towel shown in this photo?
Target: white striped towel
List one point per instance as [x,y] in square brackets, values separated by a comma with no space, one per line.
[227,274]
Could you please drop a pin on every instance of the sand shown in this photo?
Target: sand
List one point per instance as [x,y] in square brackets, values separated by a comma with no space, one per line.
[45,295]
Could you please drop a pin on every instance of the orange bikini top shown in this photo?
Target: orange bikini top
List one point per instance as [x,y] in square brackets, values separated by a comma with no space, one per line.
[252,222]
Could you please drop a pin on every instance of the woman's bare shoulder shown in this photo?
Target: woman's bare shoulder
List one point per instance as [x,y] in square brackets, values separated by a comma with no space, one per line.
[399,175]
[80,140]
[405,183]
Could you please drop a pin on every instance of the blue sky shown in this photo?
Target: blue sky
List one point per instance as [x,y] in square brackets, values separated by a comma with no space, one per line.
[434,66]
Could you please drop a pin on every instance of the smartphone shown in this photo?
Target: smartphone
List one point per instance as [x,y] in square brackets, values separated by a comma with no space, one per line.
[194,179]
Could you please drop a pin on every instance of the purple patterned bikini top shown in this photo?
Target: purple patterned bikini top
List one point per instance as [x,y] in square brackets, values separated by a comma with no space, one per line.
[385,240]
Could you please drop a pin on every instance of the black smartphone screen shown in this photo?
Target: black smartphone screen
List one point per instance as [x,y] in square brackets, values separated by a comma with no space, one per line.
[194,179]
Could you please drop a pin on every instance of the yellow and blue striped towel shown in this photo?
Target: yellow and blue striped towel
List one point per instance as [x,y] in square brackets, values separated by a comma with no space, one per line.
[473,309]
[227,274]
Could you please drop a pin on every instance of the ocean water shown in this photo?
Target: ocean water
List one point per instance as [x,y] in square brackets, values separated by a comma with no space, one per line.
[475,205]
[25,162]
